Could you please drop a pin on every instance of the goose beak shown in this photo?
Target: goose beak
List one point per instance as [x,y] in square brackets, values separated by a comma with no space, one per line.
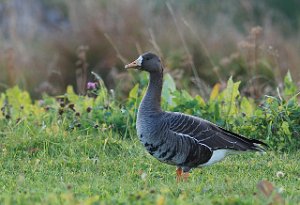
[135,64]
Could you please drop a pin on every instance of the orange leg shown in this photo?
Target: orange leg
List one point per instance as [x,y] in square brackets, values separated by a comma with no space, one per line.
[178,174]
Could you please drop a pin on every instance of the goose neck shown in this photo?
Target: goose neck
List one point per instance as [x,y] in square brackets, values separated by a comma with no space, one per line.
[152,99]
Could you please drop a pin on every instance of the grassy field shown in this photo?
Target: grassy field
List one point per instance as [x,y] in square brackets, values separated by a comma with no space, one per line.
[48,165]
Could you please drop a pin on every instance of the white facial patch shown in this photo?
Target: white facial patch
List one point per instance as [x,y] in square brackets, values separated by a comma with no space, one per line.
[139,61]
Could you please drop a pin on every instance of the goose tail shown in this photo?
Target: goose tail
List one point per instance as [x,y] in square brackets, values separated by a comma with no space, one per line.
[247,144]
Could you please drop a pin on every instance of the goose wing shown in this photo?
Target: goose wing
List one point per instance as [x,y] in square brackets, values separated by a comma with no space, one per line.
[210,134]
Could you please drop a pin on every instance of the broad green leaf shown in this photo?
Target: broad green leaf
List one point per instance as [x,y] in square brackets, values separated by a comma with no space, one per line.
[17,97]
[215,92]
[168,87]
[133,98]
[87,102]
[186,95]
[169,83]
[134,92]
[229,96]
[71,94]
[247,107]
[200,100]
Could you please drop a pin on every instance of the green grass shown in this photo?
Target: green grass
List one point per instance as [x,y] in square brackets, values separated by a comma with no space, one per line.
[83,150]
[41,165]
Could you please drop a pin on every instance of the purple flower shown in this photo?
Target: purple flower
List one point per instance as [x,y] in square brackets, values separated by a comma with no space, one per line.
[91,86]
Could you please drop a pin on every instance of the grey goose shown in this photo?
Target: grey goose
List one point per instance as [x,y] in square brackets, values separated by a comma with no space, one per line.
[180,139]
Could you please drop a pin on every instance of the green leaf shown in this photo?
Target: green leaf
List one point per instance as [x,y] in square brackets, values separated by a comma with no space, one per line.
[134,92]
[186,95]
[247,107]
[285,128]
[71,94]
[168,87]
[229,96]
[290,87]
[17,97]
[215,92]
[200,100]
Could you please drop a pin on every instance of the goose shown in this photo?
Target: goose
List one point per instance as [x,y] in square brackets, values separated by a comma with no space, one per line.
[179,139]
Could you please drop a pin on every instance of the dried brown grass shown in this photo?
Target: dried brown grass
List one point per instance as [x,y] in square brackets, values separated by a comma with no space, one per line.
[198,51]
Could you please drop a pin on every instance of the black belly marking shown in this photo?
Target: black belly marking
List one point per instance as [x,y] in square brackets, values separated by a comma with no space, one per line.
[162,155]
[171,155]
[153,148]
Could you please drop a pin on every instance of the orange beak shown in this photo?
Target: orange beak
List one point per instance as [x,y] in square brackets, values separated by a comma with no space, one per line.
[135,64]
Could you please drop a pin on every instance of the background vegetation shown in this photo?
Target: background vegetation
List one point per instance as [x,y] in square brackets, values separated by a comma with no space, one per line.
[41,41]
[233,63]
[83,150]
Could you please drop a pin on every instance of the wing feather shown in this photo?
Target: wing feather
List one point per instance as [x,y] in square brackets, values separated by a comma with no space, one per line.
[210,134]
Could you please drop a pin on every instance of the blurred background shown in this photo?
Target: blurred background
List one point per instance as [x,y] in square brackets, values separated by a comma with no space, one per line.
[46,45]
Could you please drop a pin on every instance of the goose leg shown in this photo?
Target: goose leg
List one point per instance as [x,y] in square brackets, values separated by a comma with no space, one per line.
[178,174]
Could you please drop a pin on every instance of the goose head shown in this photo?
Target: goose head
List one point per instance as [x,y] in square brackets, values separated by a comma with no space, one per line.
[147,62]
